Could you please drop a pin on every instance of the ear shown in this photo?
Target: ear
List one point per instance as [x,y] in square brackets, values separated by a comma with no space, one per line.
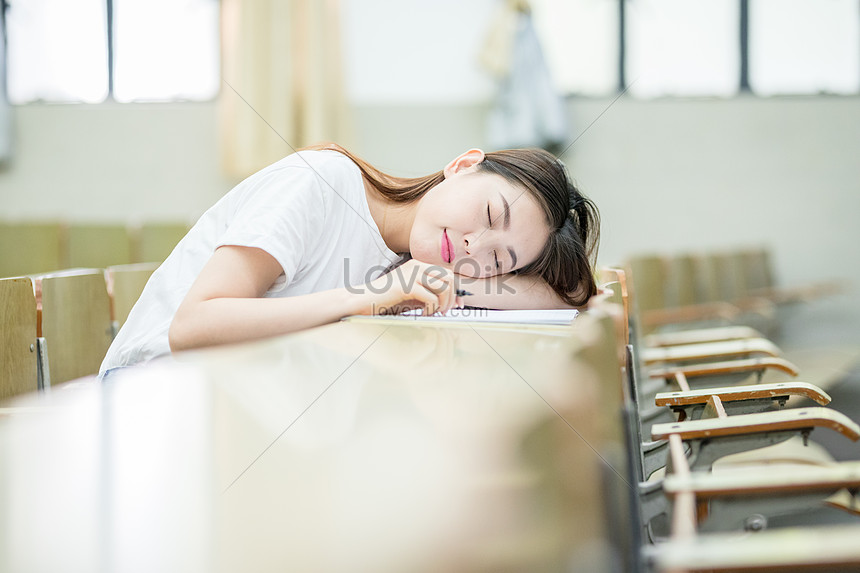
[463,162]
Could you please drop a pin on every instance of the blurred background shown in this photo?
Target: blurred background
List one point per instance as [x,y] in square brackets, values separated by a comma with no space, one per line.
[702,125]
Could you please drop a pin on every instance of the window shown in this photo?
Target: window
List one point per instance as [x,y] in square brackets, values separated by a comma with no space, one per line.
[804,46]
[57,51]
[580,41]
[702,47]
[159,50]
[682,48]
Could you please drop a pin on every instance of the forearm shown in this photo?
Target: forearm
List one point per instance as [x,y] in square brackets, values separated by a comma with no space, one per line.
[507,292]
[226,320]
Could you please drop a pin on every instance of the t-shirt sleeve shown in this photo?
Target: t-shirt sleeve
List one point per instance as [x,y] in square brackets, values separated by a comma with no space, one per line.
[282,214]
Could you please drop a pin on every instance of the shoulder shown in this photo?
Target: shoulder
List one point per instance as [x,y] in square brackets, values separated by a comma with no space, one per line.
[320,162]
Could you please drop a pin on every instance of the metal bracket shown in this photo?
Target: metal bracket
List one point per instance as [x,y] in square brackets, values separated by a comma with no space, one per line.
[705,451]
[43,370]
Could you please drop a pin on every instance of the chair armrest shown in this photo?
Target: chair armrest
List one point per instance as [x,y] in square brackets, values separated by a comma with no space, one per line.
[700,335]
[798,479]
[726,367]
[789,549]
[782,420]
[710,350]
[749,392]
[691,313]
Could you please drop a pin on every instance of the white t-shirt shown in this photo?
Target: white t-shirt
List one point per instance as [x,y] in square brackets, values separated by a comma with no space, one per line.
[309,211]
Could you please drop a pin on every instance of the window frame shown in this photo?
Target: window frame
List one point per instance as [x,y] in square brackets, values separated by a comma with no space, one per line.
[109,98]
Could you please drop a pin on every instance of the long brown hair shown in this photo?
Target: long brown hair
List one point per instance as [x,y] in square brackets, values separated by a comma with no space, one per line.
[569,256]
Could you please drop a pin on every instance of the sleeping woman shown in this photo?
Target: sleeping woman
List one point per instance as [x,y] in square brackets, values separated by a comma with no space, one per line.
[322,234]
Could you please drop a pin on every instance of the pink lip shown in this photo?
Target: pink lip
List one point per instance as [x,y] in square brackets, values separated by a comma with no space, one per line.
[447,248]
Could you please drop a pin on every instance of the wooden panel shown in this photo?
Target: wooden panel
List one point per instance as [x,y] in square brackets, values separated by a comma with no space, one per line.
[157,240]
[98,246]
[75,323]
[17,337]
[29,248]
[125,283]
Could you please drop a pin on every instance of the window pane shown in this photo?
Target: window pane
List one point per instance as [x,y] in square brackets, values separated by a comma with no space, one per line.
[580,43]
[57,51]
[679,47]
[165,50]
[804,46]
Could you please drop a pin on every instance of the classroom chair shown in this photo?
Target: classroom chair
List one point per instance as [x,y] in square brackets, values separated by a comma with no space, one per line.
[97,246]
[18,345]
[74,319]
[595,330]
[27,248]
[124,285]
[754,426]
[155,241]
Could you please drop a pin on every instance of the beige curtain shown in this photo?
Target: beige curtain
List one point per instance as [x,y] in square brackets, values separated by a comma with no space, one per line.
[283,80]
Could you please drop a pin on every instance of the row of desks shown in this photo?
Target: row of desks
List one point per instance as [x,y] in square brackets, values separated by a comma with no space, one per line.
[367,445]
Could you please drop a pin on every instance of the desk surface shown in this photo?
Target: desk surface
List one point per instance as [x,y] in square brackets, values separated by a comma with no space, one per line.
[351,447]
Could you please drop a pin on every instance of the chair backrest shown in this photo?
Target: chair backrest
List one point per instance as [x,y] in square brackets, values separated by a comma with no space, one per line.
[27,248]
[649,272]
[682,281]
[756,269]
[155,241]
[730,279]
[124,284]
[97,246]
[17,337]
[74,320]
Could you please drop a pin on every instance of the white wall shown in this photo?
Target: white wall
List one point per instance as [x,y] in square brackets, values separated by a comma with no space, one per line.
[667,175]
[125,162]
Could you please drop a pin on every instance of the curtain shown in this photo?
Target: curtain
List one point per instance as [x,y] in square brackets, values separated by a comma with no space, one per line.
[283,84]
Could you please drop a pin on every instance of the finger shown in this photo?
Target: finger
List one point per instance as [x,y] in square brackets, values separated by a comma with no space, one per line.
[427,297]
[440,282]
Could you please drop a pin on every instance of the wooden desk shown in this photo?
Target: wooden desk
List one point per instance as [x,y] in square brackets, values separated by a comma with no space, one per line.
[352,447]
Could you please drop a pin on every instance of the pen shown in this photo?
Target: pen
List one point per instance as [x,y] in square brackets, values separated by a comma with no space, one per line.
[461,292]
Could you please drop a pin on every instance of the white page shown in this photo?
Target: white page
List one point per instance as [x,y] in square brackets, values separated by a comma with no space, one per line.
[559,317]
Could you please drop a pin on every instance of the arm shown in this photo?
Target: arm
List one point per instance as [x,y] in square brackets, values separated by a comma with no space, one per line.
[224,304]
[509,291]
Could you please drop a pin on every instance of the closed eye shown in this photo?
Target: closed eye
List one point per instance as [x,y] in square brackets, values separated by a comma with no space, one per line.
[489,218]
[495,256]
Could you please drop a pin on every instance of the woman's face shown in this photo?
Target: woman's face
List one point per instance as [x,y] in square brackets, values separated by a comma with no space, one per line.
[477,224]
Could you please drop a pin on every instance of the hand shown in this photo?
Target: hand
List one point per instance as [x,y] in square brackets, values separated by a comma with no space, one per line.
[411,285]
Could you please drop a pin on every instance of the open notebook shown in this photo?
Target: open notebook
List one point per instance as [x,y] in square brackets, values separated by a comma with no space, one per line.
[554,317]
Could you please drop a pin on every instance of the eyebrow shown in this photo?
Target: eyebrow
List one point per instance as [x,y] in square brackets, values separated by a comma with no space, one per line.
[507,208]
